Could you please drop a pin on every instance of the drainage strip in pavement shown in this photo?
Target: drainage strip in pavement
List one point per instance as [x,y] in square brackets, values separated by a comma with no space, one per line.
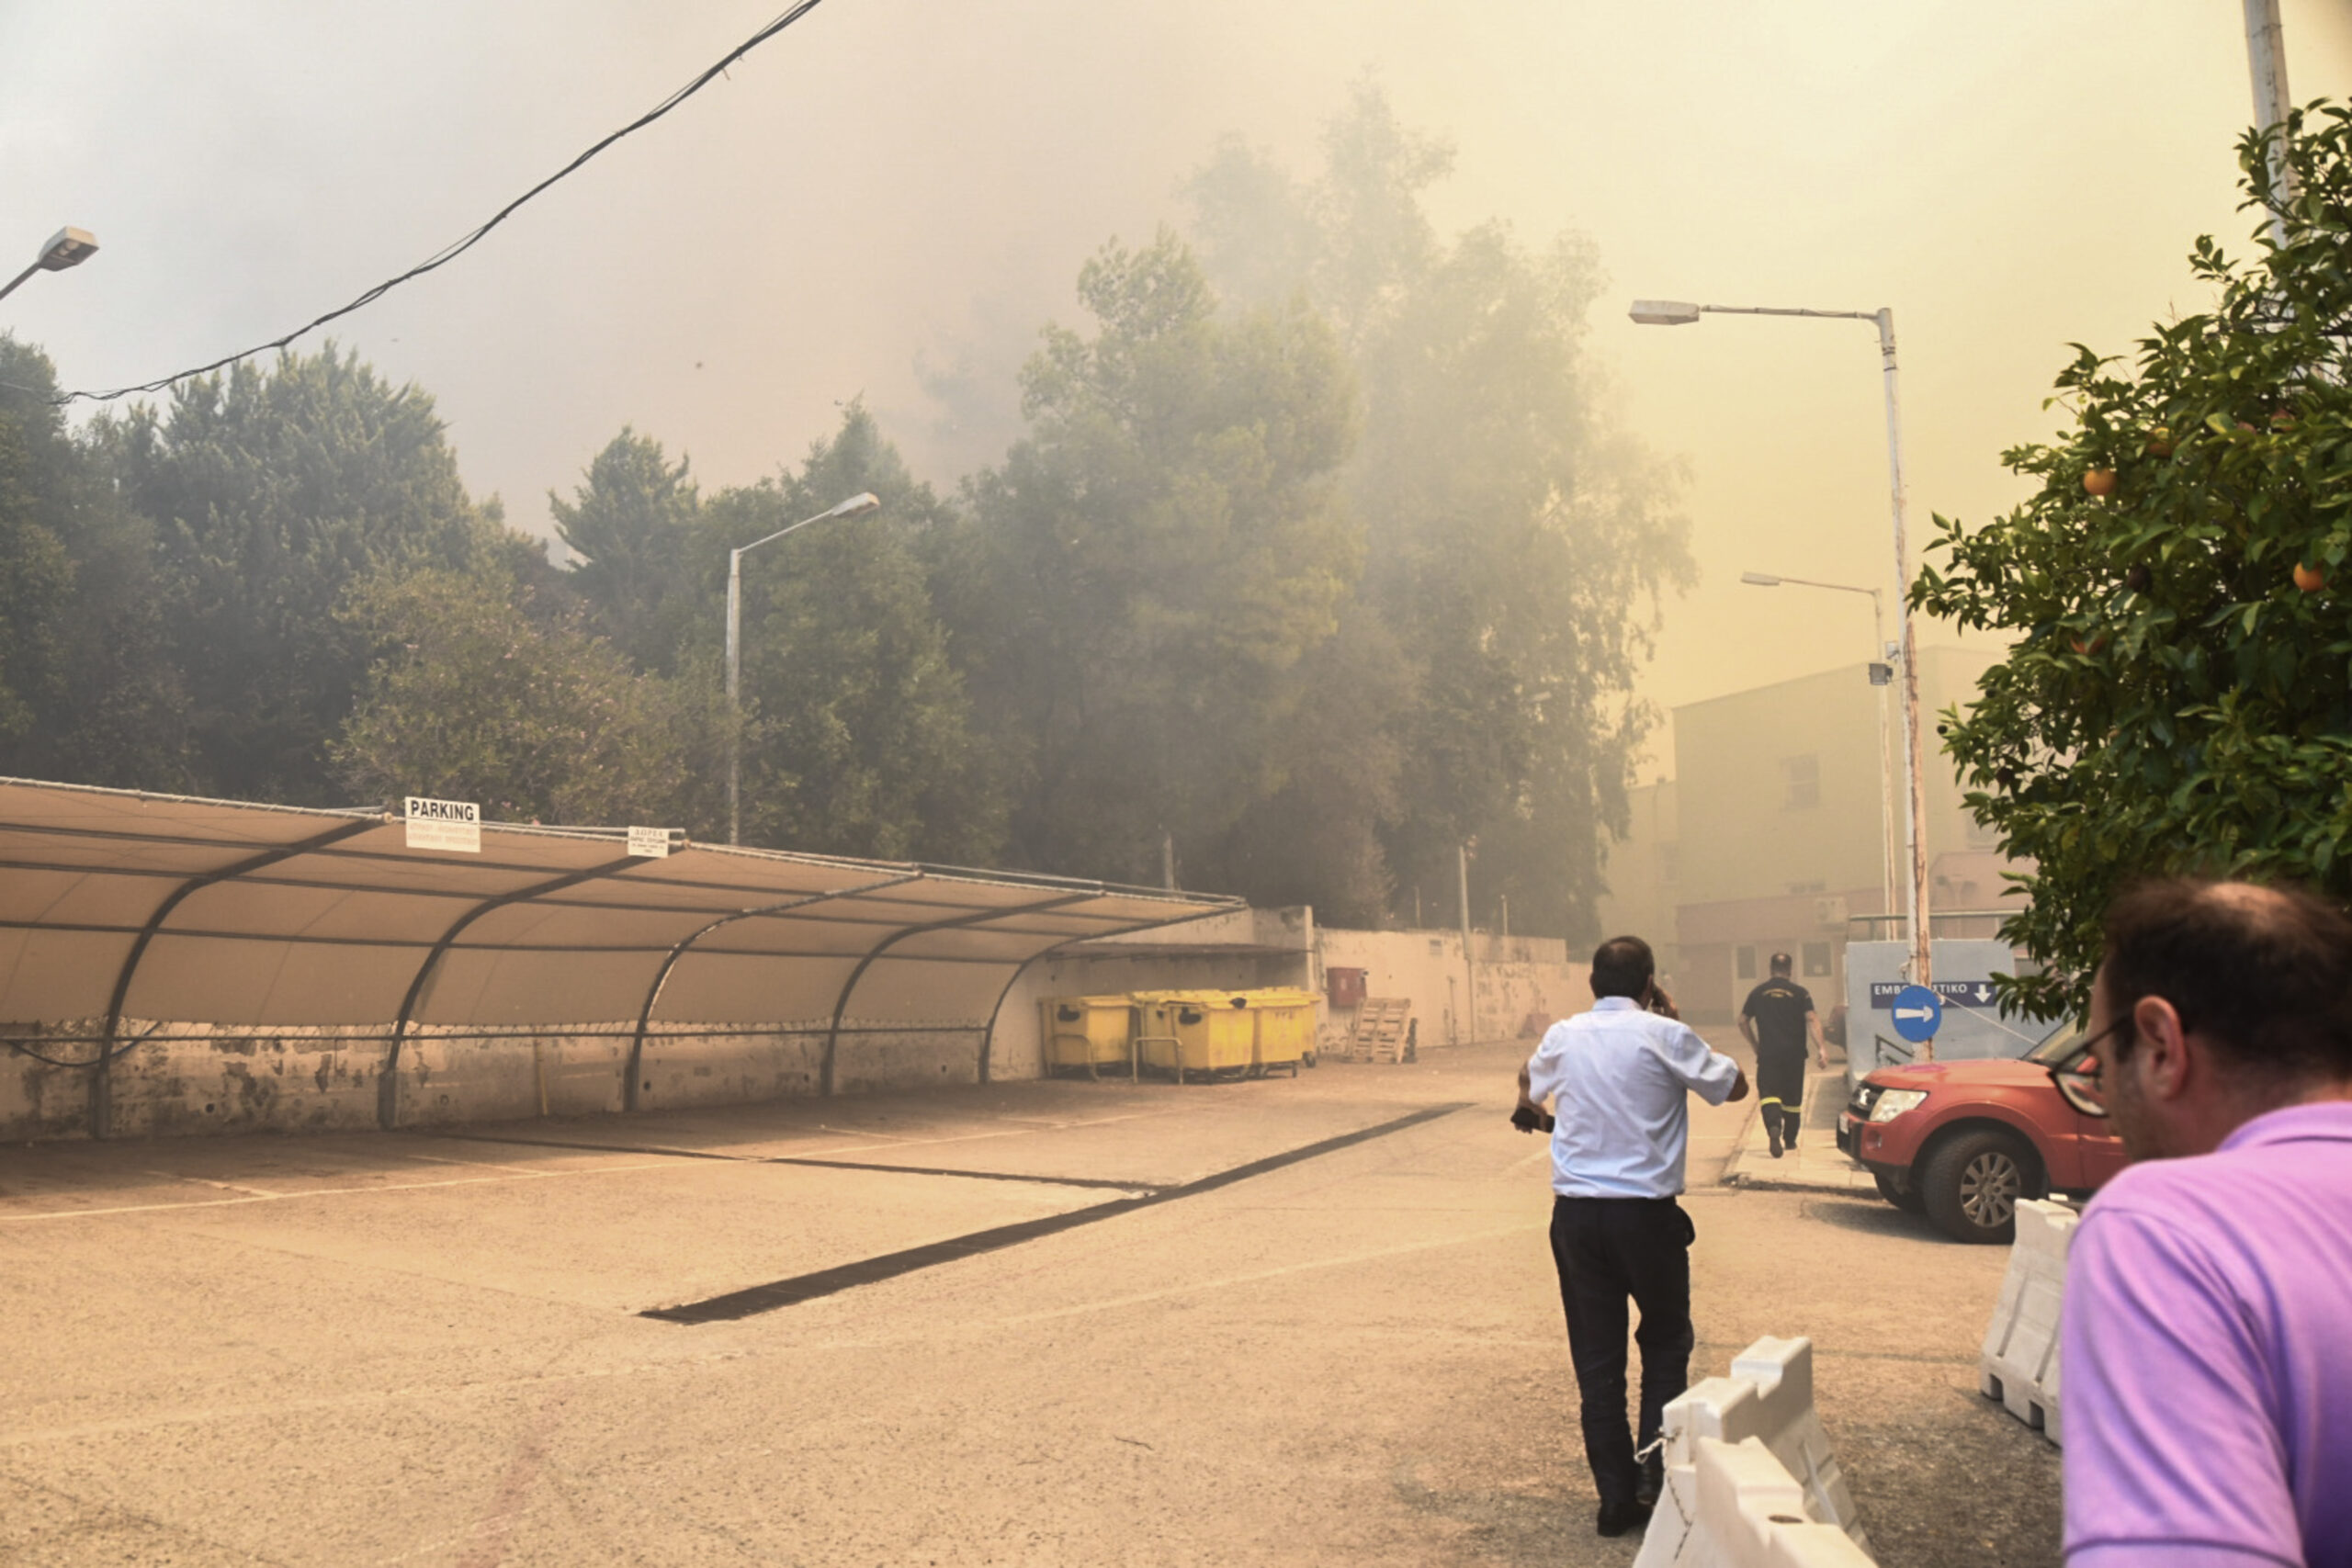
[890,1265]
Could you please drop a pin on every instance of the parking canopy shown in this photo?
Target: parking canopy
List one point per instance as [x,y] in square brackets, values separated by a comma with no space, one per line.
[116,904]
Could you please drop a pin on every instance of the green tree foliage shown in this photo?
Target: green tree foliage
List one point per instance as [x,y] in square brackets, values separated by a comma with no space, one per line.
[1314,838]
[633,521]
[85,694]
[1516,543]
[275,491]
[2174,700]
[36,573]
[478,698]
[1141,582]
[860,738]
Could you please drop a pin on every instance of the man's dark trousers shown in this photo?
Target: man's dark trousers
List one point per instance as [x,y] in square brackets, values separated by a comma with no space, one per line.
[1608,1249]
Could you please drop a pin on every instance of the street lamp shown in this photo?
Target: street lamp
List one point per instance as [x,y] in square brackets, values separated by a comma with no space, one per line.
[1679,314]
[67,247]
[1879,671]
[854,506]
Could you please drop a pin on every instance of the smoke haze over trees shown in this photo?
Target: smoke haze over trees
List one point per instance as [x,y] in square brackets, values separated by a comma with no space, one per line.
[1318,557]
[1516,545]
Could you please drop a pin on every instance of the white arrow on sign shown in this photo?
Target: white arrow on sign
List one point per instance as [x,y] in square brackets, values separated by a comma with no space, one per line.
[1914,1013]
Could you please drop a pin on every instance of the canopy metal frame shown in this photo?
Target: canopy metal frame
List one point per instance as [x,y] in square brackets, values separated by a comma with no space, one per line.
[87,856]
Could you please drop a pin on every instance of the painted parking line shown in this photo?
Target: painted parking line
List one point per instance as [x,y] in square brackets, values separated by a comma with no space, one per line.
[801,1288]
[1113,1183]
[255,1195]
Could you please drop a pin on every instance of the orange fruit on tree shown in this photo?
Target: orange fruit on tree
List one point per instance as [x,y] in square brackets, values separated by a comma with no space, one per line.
[2099,482]
[2309,578]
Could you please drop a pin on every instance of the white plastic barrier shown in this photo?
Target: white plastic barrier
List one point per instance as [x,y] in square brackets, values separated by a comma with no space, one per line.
[2019,1365]
[1733,1428]
[1744,1510]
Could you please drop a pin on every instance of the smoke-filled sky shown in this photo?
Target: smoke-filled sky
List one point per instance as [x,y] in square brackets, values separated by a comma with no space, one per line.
[891,196]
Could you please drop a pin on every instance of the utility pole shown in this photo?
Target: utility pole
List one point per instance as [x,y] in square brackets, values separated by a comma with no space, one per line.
[1922,948]
[1469,963]
[1168,860]
[2266,52]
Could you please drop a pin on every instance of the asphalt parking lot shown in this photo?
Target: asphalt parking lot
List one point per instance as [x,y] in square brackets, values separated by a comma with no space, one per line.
[1272,1321]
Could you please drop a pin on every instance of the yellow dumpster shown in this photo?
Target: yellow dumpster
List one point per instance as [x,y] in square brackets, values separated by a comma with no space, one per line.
[1086,1033]
[1184,1033]
[1285,1033]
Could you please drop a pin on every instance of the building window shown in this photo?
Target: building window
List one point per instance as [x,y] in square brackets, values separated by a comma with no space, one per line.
[1801,779]
[1743,960]
[1816,959]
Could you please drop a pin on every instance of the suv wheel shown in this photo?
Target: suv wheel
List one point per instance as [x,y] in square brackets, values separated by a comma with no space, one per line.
[1971,1183]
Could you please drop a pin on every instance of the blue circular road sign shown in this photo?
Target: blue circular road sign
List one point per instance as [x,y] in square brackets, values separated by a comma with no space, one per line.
[1918,1011]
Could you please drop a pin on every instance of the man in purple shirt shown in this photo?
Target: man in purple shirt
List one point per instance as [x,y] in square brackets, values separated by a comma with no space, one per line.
[2208,1333]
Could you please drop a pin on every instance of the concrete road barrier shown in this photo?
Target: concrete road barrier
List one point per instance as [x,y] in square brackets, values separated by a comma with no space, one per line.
[2019,1365]
[1753,1443]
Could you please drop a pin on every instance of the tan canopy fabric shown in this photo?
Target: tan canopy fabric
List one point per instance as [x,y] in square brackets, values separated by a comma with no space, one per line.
[118,905]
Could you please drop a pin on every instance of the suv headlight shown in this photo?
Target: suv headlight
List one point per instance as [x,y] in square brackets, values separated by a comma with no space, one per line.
[1894,1103]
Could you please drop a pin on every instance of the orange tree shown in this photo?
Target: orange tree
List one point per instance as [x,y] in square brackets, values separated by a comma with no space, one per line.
[2179,693]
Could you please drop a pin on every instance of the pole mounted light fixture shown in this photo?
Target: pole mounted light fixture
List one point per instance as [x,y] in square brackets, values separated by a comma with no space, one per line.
[1665,312]
[1759,580]
[67,247]
[864,501]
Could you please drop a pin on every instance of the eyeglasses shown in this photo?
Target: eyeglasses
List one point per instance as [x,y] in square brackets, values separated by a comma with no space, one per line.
[2079,1075]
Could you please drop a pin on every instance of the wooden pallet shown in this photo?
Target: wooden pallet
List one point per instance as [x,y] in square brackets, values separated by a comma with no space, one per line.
[1381,1028]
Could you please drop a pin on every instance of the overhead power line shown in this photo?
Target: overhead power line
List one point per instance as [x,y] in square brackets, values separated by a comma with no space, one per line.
[459,247]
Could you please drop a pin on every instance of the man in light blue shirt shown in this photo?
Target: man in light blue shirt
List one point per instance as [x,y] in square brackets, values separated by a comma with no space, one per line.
[1619,1078]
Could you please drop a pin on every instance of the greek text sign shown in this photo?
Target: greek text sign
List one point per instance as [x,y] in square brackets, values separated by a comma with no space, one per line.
[653,843]
[1951,993]
[444,825]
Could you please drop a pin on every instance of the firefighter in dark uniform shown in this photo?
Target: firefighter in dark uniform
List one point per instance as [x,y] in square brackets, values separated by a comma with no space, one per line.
[1777,1020]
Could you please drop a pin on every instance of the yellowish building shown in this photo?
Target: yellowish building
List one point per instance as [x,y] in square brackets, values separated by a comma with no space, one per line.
[1769,835]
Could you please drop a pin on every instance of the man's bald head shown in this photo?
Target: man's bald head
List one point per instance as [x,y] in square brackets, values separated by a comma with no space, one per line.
[2263,973]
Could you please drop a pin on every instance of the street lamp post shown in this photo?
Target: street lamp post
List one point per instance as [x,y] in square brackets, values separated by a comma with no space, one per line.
[67,247]
[1887,855]
[1677,313]
[866,501]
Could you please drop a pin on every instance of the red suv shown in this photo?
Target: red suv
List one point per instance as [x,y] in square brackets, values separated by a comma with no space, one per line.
[1962,1141]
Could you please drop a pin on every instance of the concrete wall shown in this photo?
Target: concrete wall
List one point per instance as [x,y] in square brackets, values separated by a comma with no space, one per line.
[186,1079]
[1515,977]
